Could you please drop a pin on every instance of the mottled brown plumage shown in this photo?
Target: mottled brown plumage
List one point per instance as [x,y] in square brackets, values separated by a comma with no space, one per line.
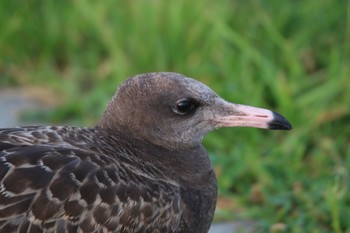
[141,169]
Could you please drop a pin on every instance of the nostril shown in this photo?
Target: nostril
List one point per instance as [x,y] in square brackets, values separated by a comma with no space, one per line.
[262,116]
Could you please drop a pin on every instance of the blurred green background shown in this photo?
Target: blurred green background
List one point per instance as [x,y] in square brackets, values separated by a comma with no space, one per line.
[289,56]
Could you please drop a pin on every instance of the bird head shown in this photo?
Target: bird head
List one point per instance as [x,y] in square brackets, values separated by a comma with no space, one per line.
[176,112]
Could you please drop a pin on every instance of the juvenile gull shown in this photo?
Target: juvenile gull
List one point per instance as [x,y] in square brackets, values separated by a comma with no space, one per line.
[141,169]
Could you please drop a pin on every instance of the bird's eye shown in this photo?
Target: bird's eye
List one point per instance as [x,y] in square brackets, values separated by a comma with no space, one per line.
[185,106]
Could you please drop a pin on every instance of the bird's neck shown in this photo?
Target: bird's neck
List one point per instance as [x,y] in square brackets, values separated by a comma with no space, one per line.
[190,169]
[190,164]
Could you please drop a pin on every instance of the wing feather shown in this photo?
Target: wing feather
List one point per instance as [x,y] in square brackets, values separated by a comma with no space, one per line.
[50,185]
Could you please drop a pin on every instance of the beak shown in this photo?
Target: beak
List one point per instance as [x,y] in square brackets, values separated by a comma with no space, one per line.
[247,116]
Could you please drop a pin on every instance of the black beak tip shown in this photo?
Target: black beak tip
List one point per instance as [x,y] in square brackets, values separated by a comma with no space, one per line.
[279,122]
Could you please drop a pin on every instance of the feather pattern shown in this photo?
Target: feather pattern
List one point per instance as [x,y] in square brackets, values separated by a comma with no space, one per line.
[51,184]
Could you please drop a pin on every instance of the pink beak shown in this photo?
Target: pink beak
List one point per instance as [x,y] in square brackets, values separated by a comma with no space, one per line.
[247,116]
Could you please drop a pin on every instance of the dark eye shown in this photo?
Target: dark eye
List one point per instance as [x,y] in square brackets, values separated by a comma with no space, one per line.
[185,106]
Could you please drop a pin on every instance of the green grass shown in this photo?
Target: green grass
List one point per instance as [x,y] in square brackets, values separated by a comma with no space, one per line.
[289,56]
